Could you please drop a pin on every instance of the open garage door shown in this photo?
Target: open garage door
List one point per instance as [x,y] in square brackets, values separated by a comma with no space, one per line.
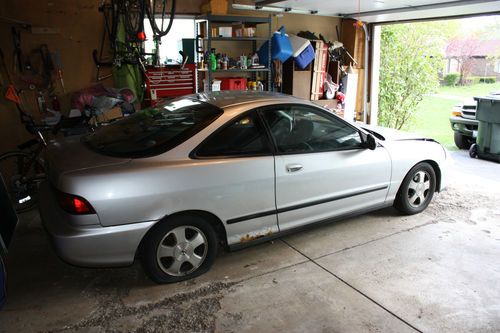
[374,13]
[378,11]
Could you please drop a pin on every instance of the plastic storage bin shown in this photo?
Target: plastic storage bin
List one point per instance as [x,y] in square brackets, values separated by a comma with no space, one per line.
[488,135]
[233,83]
[263,53]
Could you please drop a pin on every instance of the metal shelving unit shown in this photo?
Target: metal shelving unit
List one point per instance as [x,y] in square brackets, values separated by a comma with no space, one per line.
[207,40]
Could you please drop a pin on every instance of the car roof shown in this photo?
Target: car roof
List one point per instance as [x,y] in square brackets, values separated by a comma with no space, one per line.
[227,98]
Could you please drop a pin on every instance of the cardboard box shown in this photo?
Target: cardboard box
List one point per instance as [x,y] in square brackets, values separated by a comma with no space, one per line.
[225,31]
[249,32]
[114,113]
[216,7]
[239,30]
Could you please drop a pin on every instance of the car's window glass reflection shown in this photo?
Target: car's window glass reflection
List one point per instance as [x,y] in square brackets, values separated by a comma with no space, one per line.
[298,129]
[154,130]
[243,137]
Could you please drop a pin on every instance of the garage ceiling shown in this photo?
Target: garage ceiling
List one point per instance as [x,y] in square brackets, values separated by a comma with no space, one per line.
[374,11]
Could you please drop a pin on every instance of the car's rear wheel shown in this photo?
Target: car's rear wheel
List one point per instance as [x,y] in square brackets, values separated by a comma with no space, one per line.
[179,248]
[461,141]
[417,189]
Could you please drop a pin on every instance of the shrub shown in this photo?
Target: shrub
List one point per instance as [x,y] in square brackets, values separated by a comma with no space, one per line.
[407,71]
[451,79]
[487,79]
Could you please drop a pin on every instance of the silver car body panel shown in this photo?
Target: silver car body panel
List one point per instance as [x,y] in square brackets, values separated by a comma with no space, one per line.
[252,196]
[325,189]
[89,245]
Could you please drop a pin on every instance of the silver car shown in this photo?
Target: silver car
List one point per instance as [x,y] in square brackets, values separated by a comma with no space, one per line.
[170,184]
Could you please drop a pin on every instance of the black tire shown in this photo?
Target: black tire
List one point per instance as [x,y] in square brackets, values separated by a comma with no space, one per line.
[473,151]
[22,172]
[404,199]
[461,141]
[159,268]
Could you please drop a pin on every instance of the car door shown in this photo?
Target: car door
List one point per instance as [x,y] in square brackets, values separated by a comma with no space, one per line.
[322,168]
[238,165]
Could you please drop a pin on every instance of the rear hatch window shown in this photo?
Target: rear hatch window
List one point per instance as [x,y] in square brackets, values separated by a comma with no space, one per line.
[154,130]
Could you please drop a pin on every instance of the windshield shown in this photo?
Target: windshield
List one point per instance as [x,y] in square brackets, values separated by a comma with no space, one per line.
[154,130]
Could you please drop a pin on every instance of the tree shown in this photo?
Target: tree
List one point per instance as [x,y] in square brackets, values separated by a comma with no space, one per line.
[411,57]
[463,51]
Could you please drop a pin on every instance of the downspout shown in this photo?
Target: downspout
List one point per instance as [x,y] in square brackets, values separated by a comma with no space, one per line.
[365,82]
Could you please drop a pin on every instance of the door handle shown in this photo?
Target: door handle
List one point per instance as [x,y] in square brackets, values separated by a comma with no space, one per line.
[293,167]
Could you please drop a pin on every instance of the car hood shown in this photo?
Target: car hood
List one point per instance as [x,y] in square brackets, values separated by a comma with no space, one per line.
[70,154]
[390,134]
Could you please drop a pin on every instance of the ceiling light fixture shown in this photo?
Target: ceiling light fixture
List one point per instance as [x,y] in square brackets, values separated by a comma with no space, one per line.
[276,9]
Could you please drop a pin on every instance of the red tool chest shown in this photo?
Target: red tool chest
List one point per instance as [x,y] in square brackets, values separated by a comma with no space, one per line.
[169,82]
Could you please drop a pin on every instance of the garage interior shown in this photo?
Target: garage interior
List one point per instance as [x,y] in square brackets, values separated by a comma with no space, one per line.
[436,271]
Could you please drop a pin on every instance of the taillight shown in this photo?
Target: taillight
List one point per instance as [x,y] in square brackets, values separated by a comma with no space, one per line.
[74,204]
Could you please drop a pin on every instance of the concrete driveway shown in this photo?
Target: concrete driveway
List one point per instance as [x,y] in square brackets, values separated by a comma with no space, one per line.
[381,272]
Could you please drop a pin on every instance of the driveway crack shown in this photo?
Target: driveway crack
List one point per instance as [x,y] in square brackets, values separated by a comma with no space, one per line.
[356,289]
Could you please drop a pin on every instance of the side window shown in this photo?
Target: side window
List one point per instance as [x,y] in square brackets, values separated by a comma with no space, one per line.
[245,136]
[301,129]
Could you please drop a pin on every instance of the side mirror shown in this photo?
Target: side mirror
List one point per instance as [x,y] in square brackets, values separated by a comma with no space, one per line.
[368,141]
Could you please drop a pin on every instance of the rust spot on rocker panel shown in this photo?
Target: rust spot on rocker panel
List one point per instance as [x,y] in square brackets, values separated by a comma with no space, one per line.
[249,238]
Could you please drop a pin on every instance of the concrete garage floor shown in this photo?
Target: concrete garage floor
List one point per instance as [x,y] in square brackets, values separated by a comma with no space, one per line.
[435,272]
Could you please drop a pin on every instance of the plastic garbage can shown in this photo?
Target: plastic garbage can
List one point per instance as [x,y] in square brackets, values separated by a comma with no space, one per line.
[488,136]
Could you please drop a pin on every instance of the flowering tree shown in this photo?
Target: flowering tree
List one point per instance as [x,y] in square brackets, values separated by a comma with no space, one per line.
[463,51]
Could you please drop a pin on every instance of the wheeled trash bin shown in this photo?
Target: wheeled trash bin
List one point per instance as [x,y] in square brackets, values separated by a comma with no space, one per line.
[488,136]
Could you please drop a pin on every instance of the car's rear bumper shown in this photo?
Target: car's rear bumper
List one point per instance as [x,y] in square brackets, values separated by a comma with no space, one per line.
[89,245]
[464,125]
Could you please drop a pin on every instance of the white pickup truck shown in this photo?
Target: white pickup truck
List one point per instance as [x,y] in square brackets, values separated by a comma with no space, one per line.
[464,124]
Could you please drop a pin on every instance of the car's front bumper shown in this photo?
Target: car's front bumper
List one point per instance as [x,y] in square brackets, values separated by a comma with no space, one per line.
[444,167]
[464,125]
[89,245]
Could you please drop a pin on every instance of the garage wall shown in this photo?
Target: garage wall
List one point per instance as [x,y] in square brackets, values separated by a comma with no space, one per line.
[80,26]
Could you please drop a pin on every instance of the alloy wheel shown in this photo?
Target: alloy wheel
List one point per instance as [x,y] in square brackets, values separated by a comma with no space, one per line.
[418,189]
[182,250]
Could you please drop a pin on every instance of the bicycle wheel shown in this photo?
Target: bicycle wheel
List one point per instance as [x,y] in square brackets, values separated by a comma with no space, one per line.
[22,172]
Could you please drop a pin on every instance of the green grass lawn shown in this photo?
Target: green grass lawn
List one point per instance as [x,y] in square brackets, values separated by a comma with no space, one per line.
[470,91]
[433,113]
[432,120]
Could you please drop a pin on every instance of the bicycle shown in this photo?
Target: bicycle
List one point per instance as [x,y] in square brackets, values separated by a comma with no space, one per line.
[23,169]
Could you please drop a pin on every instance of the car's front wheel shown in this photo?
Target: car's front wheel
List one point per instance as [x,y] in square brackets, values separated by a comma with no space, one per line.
[179,248]
[417,189]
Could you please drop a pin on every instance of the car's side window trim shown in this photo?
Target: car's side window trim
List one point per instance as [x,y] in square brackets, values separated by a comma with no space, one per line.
[193,155]
[321,112]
